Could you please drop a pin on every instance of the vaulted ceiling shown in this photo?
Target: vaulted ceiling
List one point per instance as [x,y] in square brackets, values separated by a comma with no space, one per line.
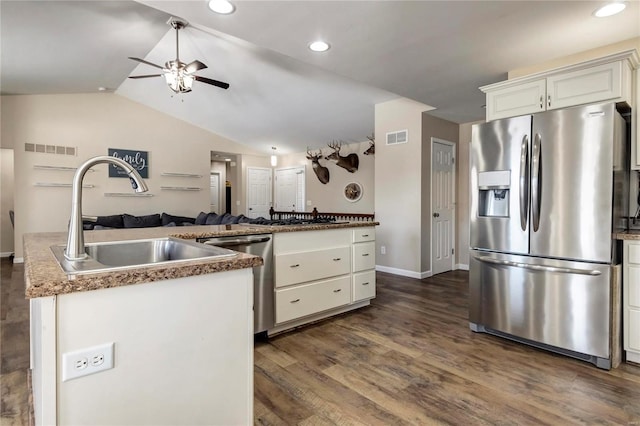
[282,94]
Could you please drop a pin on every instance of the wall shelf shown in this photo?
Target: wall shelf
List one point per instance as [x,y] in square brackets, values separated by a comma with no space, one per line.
[127,194]
[184,175]
[180,188]
[59,185]
[58,168]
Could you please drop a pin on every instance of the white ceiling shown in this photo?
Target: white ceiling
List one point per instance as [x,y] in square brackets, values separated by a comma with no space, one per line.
[282,94]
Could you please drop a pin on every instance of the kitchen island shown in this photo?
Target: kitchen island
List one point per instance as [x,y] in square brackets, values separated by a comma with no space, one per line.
[181,335]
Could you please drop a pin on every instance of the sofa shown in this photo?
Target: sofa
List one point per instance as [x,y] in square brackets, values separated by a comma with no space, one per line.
[165,219]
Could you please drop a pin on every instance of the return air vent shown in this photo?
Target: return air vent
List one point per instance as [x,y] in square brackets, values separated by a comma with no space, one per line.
[394,138]
[50,149]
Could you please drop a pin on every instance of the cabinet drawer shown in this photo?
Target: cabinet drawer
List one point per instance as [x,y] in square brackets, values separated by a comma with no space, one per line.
[634,253]
[296,242]
[307,299]
[364,256]
[297,268]
[364,234]
[633,334]
[364,285]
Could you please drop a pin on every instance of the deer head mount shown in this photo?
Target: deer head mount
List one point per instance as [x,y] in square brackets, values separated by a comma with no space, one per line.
[372,145]
[321,171]
[349,162]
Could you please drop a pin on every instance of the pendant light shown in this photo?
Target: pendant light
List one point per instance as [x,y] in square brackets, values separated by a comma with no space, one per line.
[274,158]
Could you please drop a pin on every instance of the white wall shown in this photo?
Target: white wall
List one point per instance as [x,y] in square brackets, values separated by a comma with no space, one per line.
[93,123]
[398,185]
[6,201]
[329,197]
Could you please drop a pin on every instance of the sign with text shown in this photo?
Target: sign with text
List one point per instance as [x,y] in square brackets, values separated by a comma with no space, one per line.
[138,159]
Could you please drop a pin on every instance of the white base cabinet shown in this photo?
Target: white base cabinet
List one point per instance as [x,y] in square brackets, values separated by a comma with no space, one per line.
[320,273]
[631,300]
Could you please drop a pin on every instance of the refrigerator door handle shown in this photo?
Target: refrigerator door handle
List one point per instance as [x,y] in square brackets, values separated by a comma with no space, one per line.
[524,182]
[487,259]
[535,181]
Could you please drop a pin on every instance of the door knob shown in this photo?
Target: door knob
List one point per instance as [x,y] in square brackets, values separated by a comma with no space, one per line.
[436,215]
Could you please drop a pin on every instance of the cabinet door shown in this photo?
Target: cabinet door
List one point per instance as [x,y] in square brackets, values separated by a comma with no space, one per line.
[364,285]
[585,86]
[300,301]
[520,99]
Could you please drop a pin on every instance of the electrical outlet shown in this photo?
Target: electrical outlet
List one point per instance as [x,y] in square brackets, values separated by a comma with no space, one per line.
[383,250]
[87,361]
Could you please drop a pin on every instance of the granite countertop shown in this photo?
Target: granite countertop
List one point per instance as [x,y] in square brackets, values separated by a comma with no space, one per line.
[633,234]
[45,277]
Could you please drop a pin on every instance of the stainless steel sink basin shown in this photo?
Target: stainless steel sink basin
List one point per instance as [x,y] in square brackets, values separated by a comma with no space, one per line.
[117,255]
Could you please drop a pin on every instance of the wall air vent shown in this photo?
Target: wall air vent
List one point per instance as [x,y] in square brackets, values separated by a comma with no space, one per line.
[394,138]
[50,149]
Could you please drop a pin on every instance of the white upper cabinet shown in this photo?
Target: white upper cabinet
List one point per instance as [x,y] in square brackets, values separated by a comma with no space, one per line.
[609,78]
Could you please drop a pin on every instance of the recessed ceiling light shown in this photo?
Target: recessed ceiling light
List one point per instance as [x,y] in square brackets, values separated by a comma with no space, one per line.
[223,7]
[319,46]
[609,9]
[102,89]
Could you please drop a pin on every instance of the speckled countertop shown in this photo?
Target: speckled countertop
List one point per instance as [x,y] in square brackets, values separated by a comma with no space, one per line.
[45,277]
[633,234]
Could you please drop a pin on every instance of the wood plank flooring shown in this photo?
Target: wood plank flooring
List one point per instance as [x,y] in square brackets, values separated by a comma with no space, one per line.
[408,359]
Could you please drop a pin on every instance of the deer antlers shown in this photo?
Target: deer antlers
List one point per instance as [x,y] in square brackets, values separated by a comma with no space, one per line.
[335,145]
[312,156]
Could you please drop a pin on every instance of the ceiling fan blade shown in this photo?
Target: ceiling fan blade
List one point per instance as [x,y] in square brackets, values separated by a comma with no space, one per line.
[194,66]
[146,76]
[217,83]
[146,62]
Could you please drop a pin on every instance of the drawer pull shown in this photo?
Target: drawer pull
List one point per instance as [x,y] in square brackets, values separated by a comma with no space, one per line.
[365,254]
[294,266]
[365,283]
[295,301]
[365,235]
[337,259]
[337,290]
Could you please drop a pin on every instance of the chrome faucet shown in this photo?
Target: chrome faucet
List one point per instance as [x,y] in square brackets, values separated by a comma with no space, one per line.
[75,241]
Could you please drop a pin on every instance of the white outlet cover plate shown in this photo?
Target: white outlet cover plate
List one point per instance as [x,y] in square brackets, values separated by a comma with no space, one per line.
[69,359]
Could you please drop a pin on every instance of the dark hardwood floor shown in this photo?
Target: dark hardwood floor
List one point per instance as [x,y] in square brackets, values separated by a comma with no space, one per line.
[409,358]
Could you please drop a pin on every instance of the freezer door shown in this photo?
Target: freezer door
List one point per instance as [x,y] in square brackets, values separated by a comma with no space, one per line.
[558,303]
[499,161]
[572,183]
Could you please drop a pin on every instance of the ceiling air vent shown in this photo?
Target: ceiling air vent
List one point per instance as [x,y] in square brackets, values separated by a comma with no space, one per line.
[394,138]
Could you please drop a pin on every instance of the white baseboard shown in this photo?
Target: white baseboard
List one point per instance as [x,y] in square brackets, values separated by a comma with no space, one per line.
[633,357]
[462,266]
[403,272]
[18,260]
[6,254]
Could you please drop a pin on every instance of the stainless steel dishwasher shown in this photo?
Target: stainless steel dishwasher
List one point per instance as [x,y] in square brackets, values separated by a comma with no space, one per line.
[263,298]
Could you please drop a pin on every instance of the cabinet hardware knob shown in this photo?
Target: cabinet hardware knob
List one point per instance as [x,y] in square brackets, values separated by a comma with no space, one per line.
[295,301]
[337,258]
[295,266]
[337,291]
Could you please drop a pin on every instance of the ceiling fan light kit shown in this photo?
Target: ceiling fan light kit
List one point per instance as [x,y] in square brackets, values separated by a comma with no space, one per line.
[178,75]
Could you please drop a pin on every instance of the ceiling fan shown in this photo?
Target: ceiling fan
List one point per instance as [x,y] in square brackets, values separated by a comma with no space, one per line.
[178,75]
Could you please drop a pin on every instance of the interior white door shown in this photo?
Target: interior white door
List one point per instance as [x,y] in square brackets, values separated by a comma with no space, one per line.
[215,193]
[258,192]
[443,205]
[289,189]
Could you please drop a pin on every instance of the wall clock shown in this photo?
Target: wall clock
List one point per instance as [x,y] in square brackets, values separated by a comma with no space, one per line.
[353,191]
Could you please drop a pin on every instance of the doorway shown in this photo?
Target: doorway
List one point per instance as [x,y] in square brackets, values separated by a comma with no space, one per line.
[214,203]
[258,192]
[443,212]
[289,189]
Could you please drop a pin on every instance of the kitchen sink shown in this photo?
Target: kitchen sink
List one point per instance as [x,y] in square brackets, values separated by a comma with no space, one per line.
[118,255]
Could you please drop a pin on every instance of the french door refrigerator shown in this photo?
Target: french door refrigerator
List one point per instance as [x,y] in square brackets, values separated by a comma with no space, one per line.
[547,192]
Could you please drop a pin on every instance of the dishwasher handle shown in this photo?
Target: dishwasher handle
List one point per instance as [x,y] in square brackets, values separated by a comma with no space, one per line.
[240,241]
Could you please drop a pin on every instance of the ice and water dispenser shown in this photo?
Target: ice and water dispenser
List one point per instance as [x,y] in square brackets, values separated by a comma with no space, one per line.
[493,197]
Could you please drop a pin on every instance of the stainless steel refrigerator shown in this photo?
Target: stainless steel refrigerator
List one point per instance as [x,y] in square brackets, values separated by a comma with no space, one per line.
[547,192]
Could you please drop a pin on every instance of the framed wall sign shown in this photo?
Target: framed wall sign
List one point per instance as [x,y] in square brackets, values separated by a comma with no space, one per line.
[138,159]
